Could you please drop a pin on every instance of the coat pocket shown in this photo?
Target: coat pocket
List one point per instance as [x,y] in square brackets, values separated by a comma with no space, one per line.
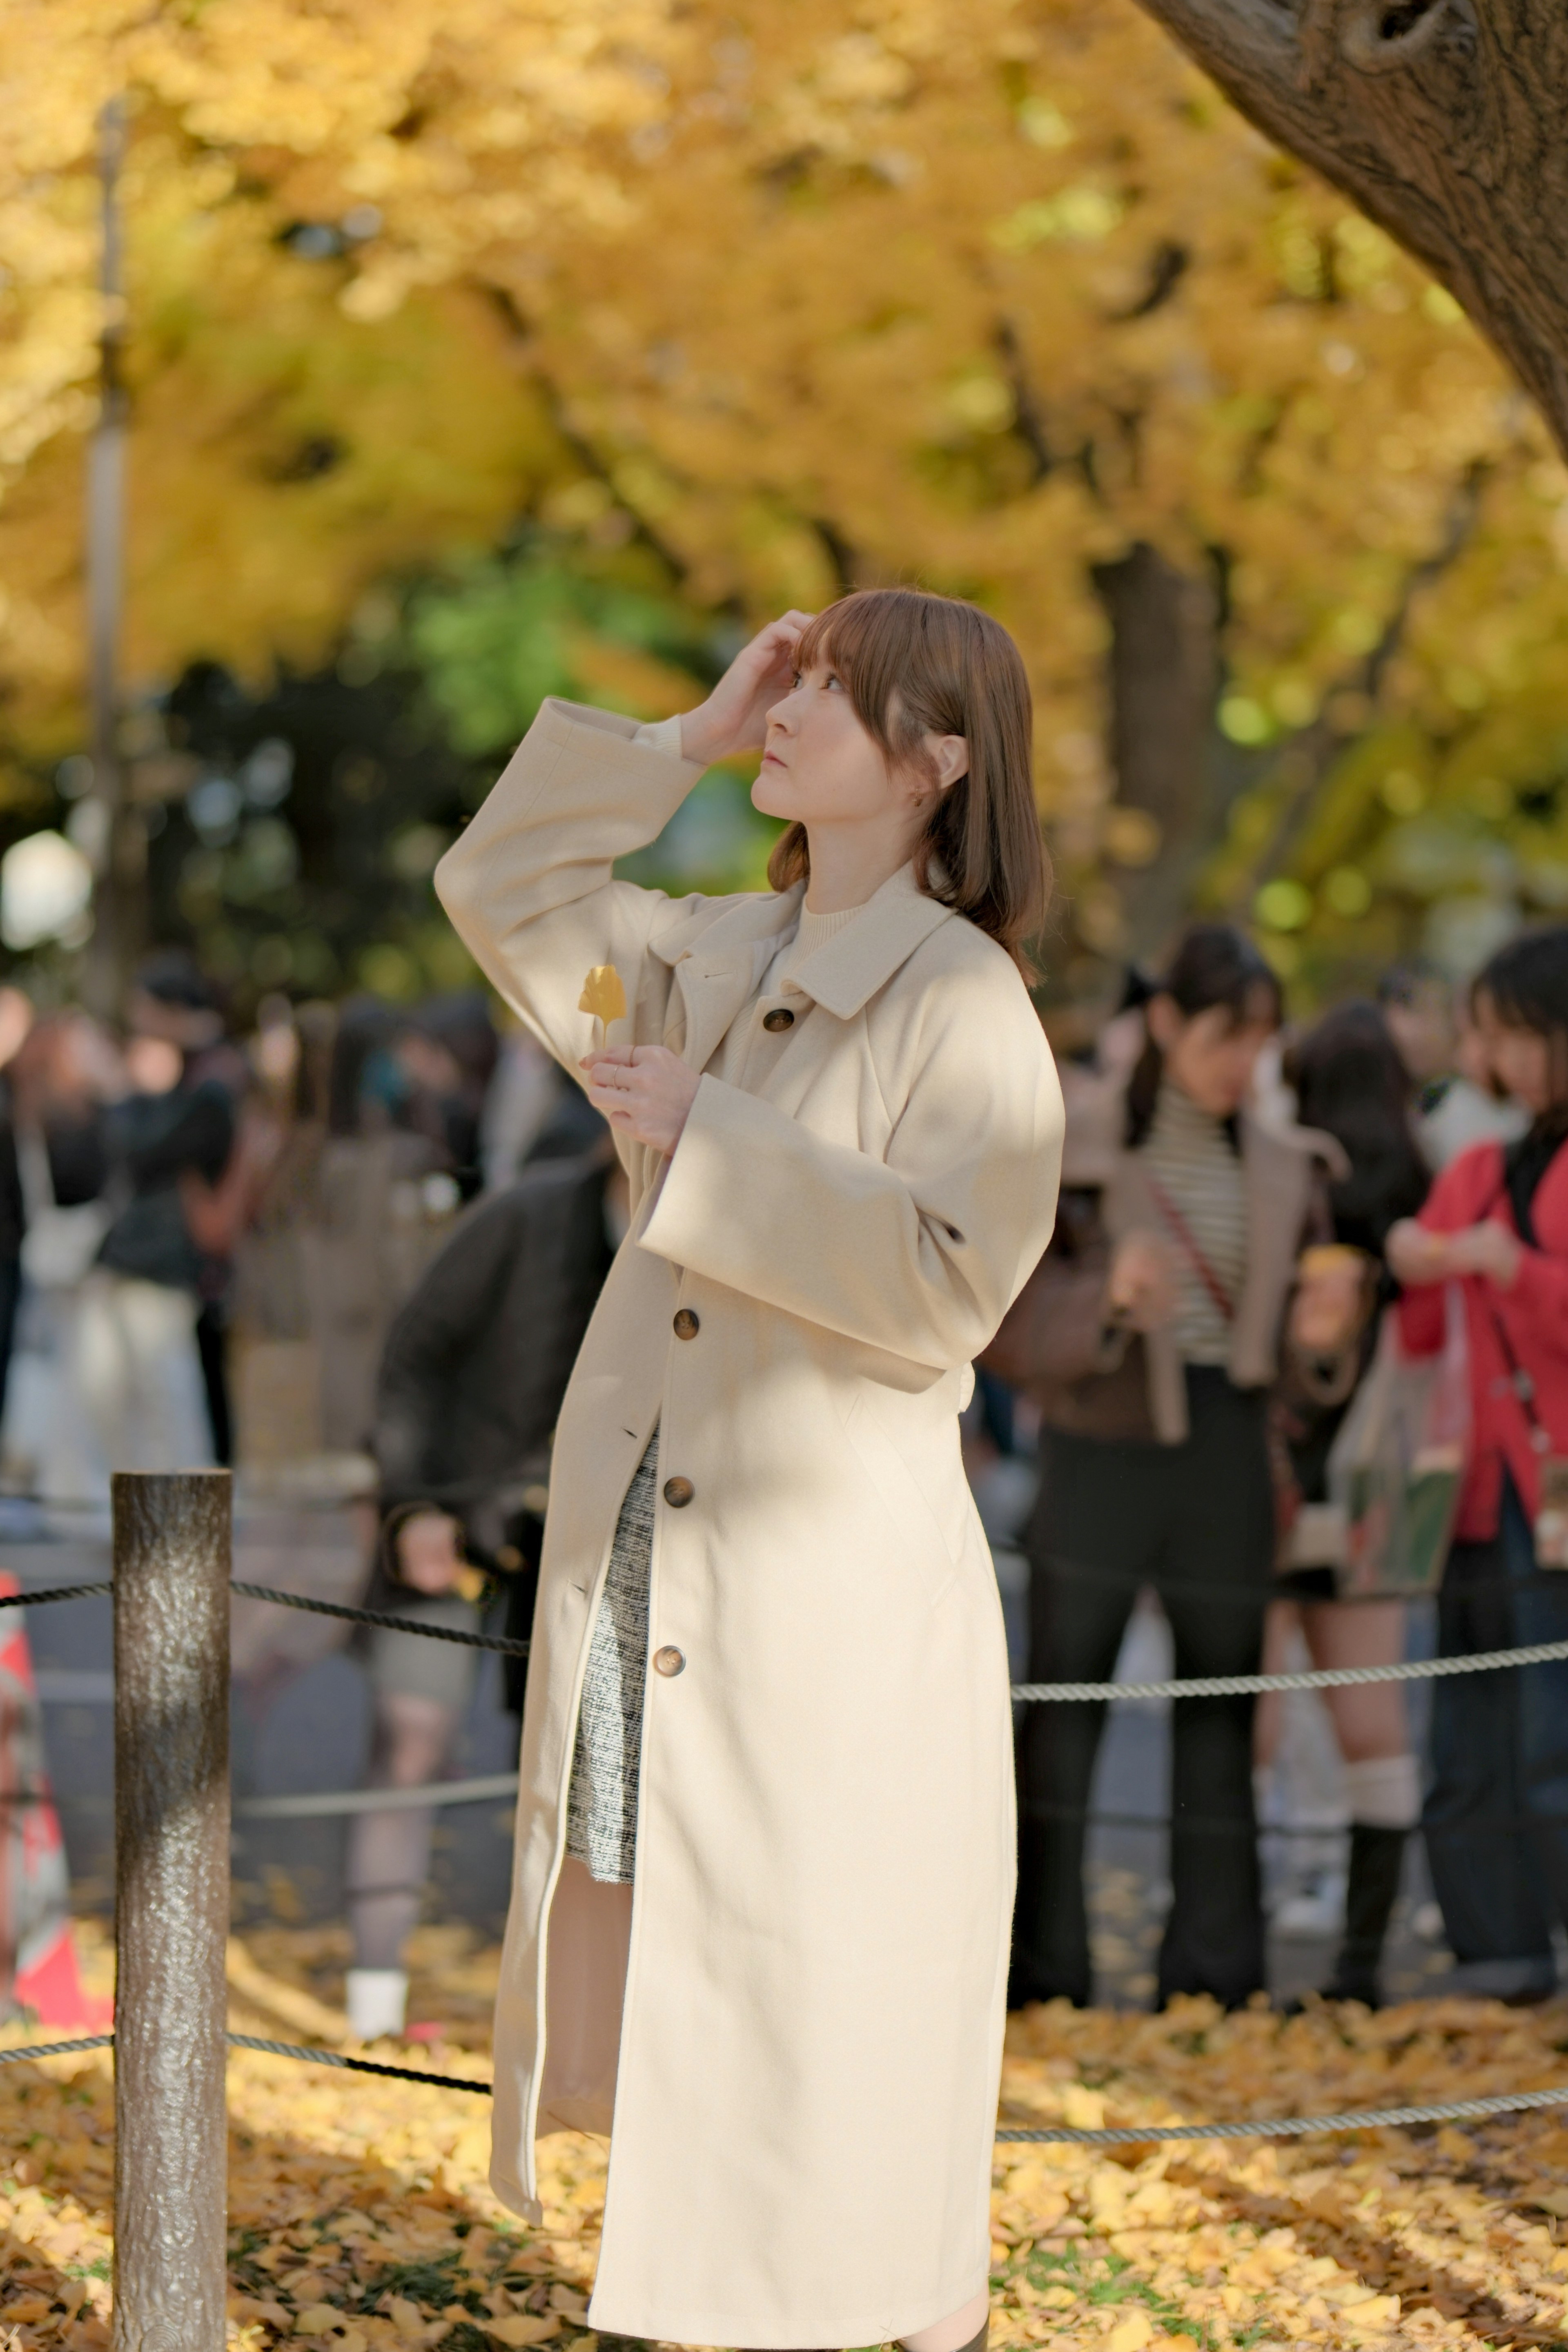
[915,1517]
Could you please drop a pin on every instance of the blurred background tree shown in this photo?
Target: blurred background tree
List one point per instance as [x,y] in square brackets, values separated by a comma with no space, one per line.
[479,354]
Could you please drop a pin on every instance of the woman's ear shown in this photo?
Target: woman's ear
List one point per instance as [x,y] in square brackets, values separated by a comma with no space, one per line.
[1164,1017]
[949,757]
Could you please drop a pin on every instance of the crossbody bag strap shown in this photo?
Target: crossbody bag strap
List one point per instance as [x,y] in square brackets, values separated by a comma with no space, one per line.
[1518,1380]
[1187,1240]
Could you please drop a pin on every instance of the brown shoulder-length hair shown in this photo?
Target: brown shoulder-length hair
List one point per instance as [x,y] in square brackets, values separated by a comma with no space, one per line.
[913,664]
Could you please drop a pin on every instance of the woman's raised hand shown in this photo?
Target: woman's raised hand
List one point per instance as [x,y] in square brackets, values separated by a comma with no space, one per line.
[735,716]
[644,1091]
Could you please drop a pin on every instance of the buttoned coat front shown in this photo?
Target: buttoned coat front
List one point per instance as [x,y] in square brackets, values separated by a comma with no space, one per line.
[804,2102]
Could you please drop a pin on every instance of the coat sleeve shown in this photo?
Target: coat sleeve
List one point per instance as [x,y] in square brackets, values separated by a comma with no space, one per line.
[1450,1205]
[921,1253]
[530,885]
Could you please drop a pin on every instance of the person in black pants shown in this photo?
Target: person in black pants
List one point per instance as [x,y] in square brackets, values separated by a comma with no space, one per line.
[1196,1521]
[1148,1337]
[1495,1223]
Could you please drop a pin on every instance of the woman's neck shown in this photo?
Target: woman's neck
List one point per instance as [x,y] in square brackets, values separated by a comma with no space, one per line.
[849,863]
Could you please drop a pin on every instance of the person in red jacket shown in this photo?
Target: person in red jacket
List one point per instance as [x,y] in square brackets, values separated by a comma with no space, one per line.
[1496,1819]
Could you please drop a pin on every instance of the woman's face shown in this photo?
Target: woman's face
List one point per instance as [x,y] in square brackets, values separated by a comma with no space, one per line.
[820,767]
[1521,1060]
[1212,1054]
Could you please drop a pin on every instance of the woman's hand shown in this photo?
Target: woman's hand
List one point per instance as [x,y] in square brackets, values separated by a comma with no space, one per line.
[1141,1289]
[1416,1257]
[428,1556]
[644,1091]
[1488,1248]
[1329,1311]
[735,716]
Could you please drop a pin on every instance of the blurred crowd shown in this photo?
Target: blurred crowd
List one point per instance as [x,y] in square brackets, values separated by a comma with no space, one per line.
[1298,1356]
[356,1251]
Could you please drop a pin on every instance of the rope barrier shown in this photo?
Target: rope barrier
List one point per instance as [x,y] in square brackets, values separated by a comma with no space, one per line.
[1414,1670]
[356,2066]
[54,1592]
[1508,2103]
[1538,1653]
[375,1617]
[57,2049]
[305,1807]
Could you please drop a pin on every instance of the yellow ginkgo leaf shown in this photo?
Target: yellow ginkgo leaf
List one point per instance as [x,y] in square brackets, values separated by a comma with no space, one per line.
[521,2328]
[316,2319]
[603,995]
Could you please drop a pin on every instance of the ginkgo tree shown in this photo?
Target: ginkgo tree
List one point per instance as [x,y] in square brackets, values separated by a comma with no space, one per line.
[1000,296]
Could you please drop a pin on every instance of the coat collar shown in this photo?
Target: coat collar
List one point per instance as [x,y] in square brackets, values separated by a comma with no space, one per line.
[718,960]
[844,973]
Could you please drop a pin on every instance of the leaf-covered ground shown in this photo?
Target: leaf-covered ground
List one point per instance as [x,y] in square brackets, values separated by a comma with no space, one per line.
[360,2222]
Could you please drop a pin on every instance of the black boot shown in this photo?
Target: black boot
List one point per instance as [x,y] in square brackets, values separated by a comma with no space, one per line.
[1376,1858]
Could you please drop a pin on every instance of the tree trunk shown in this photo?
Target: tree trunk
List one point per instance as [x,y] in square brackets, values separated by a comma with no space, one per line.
[1443,120]
[1163,671]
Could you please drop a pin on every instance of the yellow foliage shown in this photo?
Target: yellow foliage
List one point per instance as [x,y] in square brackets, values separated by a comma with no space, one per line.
[977,291]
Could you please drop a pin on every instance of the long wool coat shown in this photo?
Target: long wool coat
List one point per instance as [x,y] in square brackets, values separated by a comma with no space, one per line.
[810,2042]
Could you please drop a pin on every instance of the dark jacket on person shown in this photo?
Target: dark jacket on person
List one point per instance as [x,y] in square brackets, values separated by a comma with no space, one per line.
[154,1141]
[477,1359]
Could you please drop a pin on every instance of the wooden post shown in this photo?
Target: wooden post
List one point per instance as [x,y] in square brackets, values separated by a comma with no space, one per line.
[172,1543]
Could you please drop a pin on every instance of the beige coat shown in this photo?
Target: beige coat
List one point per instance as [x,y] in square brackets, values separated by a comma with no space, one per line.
[811,2039]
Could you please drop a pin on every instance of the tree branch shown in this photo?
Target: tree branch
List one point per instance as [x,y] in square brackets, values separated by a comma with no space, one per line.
[1442,120]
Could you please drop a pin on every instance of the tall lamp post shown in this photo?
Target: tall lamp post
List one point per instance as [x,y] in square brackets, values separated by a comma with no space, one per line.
[117,842]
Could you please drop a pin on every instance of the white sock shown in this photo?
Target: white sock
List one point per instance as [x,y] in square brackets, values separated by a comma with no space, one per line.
[376,2001]
[1384,1791]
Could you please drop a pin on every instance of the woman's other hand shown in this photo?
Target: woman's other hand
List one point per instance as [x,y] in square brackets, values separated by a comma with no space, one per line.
[1141,1289]
[644,1091]
[428,1557]
[1488,1248]
[735,716]
[1416,1257]
[1329,1309]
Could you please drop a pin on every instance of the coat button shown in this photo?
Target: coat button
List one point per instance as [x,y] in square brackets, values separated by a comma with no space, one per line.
[669,1660]
[678,1493]
[780,1018]
[687,1324]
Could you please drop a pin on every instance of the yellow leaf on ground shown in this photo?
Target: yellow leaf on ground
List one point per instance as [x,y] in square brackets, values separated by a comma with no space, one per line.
[316,2319]
[1133,2334]
[1383,2311]
[521,2328]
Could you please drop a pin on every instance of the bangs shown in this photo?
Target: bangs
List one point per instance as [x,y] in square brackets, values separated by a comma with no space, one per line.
[866,642]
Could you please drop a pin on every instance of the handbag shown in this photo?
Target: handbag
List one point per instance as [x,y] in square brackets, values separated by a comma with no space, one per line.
[1397,1467]
[58,1246]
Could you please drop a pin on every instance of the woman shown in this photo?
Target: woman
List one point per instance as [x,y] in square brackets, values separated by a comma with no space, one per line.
[760,1911]
[1349,1082]
[1149,1340]
[1496,1221]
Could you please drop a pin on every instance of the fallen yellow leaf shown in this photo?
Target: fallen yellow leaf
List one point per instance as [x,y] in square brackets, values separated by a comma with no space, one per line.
[1133,2334]
[521,2328]
[316,2319]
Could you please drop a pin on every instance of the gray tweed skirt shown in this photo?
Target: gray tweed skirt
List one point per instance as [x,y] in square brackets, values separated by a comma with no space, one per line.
[602,1801]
